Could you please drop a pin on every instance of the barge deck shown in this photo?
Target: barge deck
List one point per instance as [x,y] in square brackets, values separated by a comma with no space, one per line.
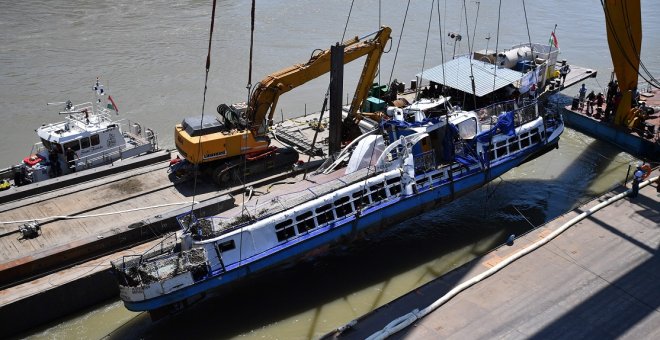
[598,280]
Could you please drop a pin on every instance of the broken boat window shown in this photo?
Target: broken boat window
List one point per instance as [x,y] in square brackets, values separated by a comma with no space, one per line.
[305,222]
[284,230]
[324,214]
[226,246]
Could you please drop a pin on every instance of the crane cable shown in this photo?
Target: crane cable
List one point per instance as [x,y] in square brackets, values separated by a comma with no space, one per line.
[201,121]
[442,50]
[529,37]
[398,44]
[497,45]
[636,50]
[428,33]
[608,21]
[248,88]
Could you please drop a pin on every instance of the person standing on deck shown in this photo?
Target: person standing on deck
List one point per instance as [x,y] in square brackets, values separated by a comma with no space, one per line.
[70,156]
[564,71]
[591,100]
[637,177]
[532,91]
[583,93]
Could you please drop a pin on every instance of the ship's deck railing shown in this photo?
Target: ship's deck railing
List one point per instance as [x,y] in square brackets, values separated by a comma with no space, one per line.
[525,114]
[124,266]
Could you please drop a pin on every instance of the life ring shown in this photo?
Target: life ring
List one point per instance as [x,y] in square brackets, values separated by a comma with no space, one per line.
[646,169]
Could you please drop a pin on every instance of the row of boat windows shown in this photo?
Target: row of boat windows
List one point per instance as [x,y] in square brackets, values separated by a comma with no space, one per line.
[341,207]
[75,145]
[515,143]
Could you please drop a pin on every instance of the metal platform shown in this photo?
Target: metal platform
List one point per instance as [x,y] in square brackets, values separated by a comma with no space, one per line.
[599,279]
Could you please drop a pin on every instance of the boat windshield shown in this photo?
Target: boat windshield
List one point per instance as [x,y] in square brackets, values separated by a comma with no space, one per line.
[46,144]
[468,128]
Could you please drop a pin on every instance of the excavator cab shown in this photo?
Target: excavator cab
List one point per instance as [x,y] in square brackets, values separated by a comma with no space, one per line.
[233,117]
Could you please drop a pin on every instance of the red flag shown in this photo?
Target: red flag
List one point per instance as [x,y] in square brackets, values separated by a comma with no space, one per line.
[553,40]
[113,105]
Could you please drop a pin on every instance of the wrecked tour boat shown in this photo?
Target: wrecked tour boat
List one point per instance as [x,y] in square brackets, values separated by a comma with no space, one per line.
[411,163]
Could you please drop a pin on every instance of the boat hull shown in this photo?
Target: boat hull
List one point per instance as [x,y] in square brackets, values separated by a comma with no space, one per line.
[382,215]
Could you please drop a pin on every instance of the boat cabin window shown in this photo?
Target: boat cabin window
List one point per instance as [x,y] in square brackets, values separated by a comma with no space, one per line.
[226,246]
[536,137]
[95,139]
[84,143]
[46,144]
[467,128]
[343,207]
[73,145]
[58,147]
[394,185]
[361,195]
[284,230]
[324,214]
[305,222]
[378,192]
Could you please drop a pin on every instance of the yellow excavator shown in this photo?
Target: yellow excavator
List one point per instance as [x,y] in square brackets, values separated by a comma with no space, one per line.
[624,35]
[221,144]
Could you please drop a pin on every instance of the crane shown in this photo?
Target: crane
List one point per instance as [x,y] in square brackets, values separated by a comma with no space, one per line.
[624,36]
[240,132]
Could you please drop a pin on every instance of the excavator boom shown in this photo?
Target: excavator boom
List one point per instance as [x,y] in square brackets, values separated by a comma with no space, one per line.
[267,92]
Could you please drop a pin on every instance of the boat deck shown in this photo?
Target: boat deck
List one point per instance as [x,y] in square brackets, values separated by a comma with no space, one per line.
[643,141]
[598,279]
[651,98]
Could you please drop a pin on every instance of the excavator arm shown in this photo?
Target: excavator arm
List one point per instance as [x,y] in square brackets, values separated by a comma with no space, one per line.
[624,36]
[267,92]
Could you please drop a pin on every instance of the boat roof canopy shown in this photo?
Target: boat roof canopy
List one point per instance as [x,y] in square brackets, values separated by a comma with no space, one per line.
[456,74]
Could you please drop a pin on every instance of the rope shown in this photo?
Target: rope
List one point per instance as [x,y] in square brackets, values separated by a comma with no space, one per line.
[442,51]
[350,10]
[206,80]
[406,320]
[497,44]
[608,21]
[467,33]
[399,42]
[69,217]
[428,32]
[529,38]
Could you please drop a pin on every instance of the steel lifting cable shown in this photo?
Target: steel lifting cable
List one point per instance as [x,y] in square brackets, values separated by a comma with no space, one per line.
[201,121]
[428,33]
[529,38]
[442,50]
[248,87]
[608,21]
[399,42]
[497,44]
[467,33]
[476,20]
[350,10]
[636,50]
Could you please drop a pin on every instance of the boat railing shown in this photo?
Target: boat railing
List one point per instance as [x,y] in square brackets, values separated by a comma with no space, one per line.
[126,264]
[84,111]
[140,273]
[424,162]
[105,156]
[523,114]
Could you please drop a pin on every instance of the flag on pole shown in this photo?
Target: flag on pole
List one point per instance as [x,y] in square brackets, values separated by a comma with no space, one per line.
[553,40]
[112,105]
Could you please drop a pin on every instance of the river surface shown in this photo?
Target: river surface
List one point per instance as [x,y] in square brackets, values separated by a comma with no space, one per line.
[151,54]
